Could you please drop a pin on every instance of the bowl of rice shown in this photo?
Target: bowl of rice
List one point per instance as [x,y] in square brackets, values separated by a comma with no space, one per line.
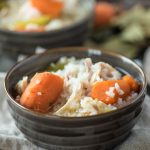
[24,26]
[99,98]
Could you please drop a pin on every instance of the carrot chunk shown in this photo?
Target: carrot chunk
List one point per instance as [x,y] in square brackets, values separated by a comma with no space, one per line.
[104,13]
[132,82]
[99,92]
[109,91]
[43,90]
[49,7]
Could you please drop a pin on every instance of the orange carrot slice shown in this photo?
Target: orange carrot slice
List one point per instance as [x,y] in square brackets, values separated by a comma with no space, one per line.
[132,82]
[40,29]
[49,7]
[104,13]
[102,91]
[19,28]
[99,92]
[43,90]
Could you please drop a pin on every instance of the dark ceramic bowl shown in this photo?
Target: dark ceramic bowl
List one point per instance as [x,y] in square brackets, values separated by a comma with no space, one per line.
[72,35]
[102,131]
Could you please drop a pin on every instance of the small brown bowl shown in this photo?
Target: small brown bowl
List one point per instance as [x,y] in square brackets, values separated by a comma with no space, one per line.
[102,131]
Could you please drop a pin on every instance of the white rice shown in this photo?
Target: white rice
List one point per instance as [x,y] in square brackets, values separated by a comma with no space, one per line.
[118,89]
[27,11]
[121,103]
[110,92]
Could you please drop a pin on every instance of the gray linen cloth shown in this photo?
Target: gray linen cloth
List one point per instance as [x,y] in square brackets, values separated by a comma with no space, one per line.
[12,139]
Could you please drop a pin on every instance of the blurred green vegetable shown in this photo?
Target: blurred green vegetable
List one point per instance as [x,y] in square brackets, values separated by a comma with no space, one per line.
[43,20]
[3,4]
[133,33]
[56,66]
[135,23]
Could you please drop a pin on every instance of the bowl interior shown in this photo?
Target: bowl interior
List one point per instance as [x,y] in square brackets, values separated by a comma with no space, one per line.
[39,62]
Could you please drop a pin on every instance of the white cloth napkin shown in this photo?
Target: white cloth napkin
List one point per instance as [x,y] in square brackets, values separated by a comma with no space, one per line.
[12,139]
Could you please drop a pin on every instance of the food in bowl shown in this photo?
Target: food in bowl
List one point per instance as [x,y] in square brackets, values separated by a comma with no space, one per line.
[76,88]
[40,15]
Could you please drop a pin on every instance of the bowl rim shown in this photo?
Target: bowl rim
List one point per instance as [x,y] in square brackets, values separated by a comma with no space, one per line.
[55,31]
[78,49]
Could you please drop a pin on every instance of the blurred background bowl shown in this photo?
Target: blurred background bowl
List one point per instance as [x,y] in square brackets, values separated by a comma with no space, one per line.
[71,35]
[102,131]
